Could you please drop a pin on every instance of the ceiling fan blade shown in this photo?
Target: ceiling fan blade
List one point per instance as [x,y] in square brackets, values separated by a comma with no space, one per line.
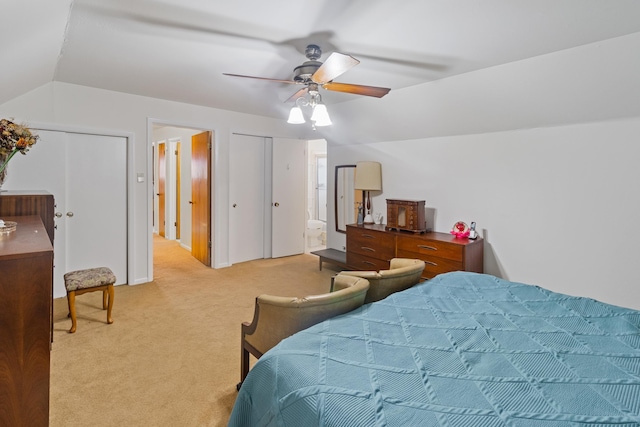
[375,91]
[298,94]
[335,65]
[263,78]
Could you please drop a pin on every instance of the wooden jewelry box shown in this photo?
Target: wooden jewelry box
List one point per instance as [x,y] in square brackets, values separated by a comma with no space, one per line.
[406,215]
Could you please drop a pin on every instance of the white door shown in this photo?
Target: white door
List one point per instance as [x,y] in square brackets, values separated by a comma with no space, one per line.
[96,199]
[87,176]
[288,207]
[246,198]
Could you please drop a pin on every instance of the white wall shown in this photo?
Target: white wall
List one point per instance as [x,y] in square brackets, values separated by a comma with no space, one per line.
[542,154]
[64,104]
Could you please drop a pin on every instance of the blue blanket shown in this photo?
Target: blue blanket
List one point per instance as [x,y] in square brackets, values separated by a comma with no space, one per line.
[462,349]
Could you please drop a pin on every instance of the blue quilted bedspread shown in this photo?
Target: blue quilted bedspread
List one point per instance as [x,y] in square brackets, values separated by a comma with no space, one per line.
[462,349]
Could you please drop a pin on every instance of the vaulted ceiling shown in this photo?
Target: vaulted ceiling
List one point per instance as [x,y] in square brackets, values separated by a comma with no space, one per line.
[179,49]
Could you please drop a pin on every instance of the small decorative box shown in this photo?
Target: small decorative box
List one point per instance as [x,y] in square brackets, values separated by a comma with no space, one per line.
[406,215]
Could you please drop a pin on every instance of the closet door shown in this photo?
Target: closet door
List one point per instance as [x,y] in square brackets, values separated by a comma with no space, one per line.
[96,203]
[87,176]
[246,198]
[288,207]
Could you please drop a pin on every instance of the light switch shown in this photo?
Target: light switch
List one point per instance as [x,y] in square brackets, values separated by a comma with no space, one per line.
[140,176]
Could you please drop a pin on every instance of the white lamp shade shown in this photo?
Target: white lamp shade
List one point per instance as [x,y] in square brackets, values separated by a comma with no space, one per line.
[368,176]
[295,116]
[320,115]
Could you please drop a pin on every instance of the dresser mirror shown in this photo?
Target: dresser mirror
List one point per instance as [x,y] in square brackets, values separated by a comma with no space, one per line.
[345,197]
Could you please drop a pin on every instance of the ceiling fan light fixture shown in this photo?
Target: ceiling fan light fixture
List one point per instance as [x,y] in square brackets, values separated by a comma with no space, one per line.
[320,116]
[295,116]
[314,74]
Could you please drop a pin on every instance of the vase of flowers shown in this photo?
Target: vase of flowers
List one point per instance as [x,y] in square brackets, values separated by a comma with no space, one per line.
[14,138]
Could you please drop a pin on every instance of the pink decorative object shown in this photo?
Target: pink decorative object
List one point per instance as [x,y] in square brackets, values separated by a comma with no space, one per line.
[460,230]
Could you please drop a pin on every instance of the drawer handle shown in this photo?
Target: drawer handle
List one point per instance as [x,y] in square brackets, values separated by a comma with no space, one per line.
[368,263]
[364,248]
[431,263]
[431,248]
[368,236]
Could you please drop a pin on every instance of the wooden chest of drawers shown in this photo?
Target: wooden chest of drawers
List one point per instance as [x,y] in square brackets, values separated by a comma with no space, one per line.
[26,279]
[371,247]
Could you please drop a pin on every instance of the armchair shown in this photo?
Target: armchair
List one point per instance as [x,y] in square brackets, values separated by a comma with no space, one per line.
[402,274]
[276,318]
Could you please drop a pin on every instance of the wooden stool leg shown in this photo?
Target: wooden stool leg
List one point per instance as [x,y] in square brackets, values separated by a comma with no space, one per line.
[104,299]
[71,299]
[110,305]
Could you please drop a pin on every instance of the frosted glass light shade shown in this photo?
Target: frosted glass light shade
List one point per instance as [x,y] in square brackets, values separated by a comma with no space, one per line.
[320,115]
[368,176]
[295,116]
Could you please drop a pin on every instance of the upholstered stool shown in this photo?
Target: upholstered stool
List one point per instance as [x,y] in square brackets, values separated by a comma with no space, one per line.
[90,280]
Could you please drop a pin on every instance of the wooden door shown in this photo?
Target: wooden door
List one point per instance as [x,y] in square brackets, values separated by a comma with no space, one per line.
[246,198]
[162,180]
[200,197]
[288,200]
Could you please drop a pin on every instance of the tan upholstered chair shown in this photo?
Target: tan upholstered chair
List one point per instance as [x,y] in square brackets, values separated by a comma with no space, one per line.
[276,318]
[403,273]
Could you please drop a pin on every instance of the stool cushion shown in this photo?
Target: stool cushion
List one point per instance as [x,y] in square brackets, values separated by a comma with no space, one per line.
[90,278]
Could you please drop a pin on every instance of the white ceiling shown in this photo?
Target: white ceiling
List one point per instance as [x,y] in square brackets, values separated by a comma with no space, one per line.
[178,49]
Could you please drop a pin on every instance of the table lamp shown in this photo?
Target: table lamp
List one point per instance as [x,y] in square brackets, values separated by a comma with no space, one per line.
[368,178]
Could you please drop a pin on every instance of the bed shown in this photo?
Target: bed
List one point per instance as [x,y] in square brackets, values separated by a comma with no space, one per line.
[462,349]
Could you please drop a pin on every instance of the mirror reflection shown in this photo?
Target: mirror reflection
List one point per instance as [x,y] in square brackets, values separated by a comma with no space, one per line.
[346,198]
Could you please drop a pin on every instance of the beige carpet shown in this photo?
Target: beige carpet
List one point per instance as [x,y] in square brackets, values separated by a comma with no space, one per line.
[172,355]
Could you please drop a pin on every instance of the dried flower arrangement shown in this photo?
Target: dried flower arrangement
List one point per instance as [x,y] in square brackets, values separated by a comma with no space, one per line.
[14,138]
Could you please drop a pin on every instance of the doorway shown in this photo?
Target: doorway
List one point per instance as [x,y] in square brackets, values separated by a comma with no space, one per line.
[317,182]
[172,183]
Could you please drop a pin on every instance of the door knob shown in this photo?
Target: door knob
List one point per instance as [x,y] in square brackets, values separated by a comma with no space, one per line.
[190,202]
[235,204]
[58,214]
[69,214]
[276,204]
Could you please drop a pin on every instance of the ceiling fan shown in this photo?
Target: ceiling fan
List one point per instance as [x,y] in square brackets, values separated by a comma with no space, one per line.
[313,74]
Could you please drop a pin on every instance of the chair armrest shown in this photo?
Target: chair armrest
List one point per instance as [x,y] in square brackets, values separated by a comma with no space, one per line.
[342,281]
[276,318]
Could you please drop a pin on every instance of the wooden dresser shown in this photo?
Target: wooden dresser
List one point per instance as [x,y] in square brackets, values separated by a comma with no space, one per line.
[371,247]
[26,278]
[41,203]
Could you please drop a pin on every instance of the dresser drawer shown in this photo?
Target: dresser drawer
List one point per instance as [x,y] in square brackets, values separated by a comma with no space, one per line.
[431,248]
[362,262]
[433,265]
[373,244]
